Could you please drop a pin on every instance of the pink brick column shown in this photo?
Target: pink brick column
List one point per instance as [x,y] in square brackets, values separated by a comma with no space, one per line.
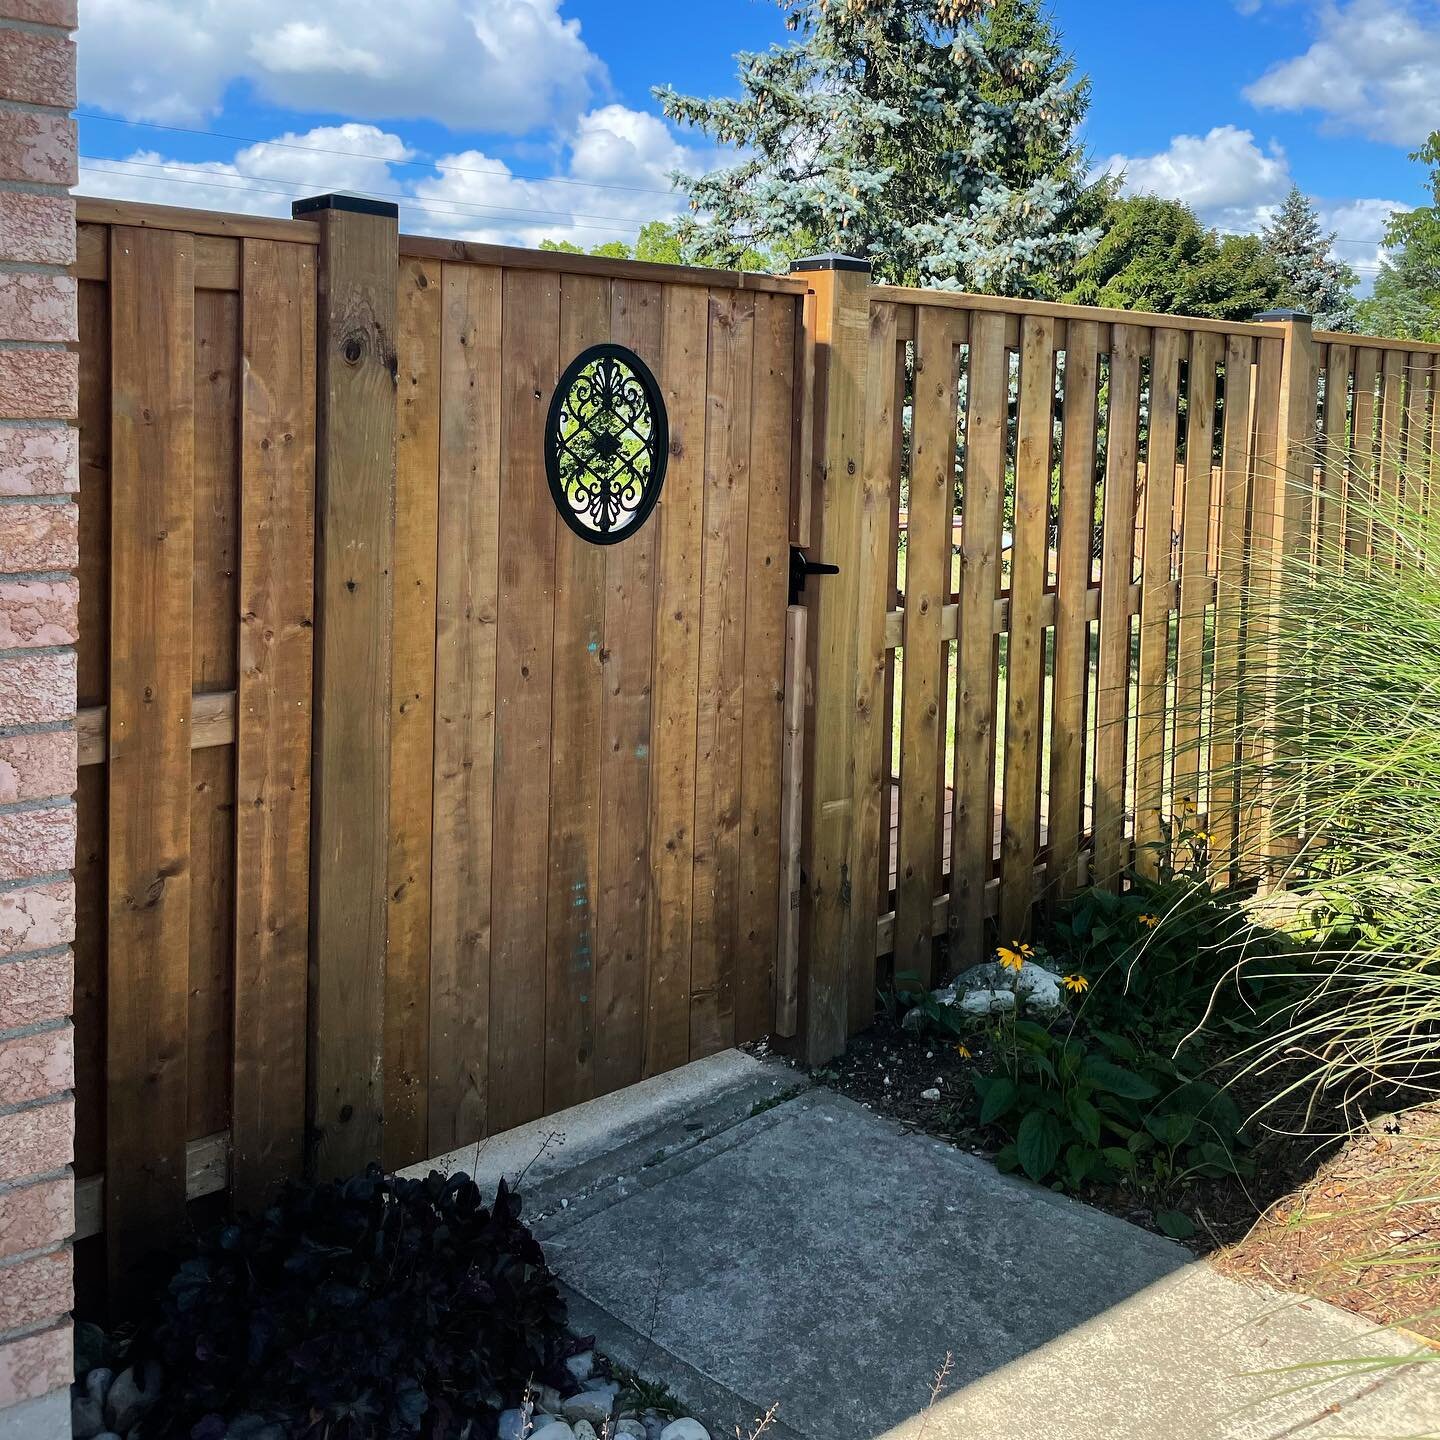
[38,556]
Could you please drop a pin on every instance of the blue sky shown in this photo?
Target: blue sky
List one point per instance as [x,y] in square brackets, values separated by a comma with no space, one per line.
[514,119]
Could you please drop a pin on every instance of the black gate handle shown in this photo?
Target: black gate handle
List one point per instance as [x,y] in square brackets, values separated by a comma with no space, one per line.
[800,567]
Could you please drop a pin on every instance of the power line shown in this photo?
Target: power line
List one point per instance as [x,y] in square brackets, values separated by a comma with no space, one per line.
[367,155]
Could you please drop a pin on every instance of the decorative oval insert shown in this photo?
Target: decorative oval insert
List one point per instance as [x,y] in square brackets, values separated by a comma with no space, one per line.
[606,444]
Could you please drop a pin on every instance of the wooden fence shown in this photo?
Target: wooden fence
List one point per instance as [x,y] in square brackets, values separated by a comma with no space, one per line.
[406,816]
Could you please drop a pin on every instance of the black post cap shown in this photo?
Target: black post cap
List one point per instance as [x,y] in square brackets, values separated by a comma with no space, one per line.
[340,200]
[831,261]
[1265,316]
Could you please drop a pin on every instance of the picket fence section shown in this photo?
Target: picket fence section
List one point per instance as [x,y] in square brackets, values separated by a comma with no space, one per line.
[405,816]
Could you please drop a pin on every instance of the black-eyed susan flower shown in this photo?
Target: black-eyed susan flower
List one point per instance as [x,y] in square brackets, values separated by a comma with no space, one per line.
[1010,958]
[963,1051]
[1076,984]
[1149,921]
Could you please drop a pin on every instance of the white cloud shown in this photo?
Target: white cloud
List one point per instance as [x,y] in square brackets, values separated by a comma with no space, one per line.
[1374,67]
[616,179]
[1224,175]
[510,66]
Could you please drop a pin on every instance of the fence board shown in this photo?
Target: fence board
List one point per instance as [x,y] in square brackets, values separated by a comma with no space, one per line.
[1068,726]
[927,587]
[466,600]
[1360,478]
[1152,709]
[972,836]
[272,755]
[152,434]
[412,714]
[1025,652]
[680,520]
[1330,521]
[722,659]
[524,654]
[574,906]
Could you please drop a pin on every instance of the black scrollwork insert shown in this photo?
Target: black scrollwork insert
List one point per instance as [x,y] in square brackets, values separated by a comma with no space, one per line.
[606,443]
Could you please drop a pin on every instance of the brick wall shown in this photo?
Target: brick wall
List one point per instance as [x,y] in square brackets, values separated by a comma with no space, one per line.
[38,554]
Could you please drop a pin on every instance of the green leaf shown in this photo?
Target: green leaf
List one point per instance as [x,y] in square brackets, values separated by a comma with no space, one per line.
[1086,1119]
[1038,1144]
[1117,1045]
[1174,1224]
[999,1097]
[1120,1158]
[1118,1081]
[1173,1129]
[1007,1160]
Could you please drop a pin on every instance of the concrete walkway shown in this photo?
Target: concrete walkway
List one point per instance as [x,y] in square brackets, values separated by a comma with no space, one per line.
[749,1241]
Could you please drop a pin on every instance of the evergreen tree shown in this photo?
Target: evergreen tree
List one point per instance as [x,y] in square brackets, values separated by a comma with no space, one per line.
[933,137]
[1406,300]
[1310,279]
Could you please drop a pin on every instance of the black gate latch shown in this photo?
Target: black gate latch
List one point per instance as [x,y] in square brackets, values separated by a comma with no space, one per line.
[800,567]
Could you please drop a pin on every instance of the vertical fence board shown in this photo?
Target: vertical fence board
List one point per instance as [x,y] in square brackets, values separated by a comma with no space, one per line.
[1072,582]
[1360,478]
[574,903]
[972,838]
[466,580]
[767,564]
[792,803]
[1025,654]
[1329,522]
[927,587]
[1117,542]
[412,714]
[1392,437]
[722,658]
[152,435]
[524,657]
[680,519]
[272,709]
[1168,349]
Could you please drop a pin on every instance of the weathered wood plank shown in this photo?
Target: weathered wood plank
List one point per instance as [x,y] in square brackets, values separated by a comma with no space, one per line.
[523,694]
[680,519]
[412,714]
[722,674]
[1392,440]
[466,581]
[152,434]
[272,754]
[1360,479]
[792,804]
[1330,521]
[350,792]
[574,911]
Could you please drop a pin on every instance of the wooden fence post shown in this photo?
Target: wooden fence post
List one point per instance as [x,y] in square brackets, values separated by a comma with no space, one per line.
[354,535]
[830,947]
[1282,508]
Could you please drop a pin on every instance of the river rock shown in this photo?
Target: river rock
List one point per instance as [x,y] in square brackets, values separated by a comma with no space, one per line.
[582,1366]
[685,1429]
[131,1394]
[593,1405]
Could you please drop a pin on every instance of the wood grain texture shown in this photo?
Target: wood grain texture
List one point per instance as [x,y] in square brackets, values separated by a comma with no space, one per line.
[1360,479]
[412,713]
[679,521]
[523,693]
[1025,653]
[1335,452]
[722,661]
[792,805]
[148,837]
[273,693]
[574,904]
[355,509]
[466,601]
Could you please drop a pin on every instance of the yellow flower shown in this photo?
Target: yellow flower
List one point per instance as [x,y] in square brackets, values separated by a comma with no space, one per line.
[1076,984]
[1203,836]
[1010,959]
[963,1051]
[1149,921]
[1186,804]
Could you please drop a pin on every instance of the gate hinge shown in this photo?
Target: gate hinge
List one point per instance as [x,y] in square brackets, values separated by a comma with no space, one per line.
[800,567]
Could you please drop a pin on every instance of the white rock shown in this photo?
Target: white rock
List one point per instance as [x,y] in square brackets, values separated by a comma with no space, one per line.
[593,1405]
[87,1418]
[552,1430]
[581,1366]
[547,1398]
[987,1002]
[584,1430]
[685,1429]
[1038,989]
[931,1094]
[511,1425]
[98,1382]
[633,1428]
[130,1397]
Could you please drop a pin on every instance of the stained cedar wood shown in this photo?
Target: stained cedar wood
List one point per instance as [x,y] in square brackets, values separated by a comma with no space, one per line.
[465,658]
[679,520]
[874,663]
[1329,522]
[350,795]
[972,838]
[1025,655]
[767,570]
[214,596]
[1072,581]
[1229,582]
[574,912]
[1112,685]
[722,658]
[412,714]
[1360,475]
[1152,710]
[636,315]
[523,691]
[152,433]
[927,587]
[787,960]
[1392,437]
[1205,352]
[273,686]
